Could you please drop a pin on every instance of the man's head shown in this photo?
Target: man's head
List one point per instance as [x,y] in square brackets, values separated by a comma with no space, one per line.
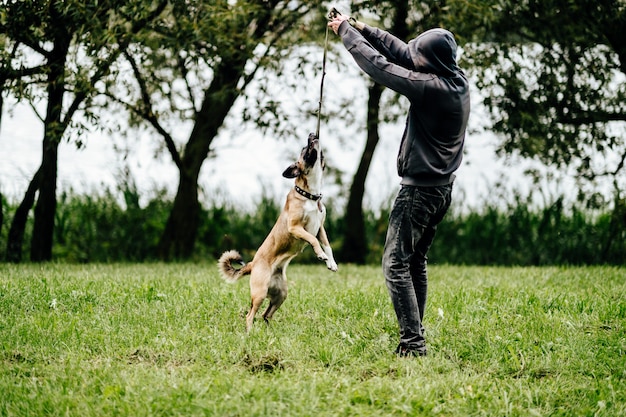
[434,51]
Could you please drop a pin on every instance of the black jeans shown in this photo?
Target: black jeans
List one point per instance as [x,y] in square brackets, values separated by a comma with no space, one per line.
[412,224]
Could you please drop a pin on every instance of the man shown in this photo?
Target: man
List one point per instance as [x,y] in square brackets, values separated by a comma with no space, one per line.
[425,71]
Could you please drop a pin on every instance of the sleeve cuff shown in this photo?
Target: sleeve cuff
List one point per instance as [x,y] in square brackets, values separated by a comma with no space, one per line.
[366,31]
[343,28]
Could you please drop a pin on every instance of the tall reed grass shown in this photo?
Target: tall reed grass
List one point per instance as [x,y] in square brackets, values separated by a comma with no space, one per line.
[103,227]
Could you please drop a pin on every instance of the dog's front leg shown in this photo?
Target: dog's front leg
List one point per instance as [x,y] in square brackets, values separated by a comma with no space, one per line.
[323,239]
[301,233]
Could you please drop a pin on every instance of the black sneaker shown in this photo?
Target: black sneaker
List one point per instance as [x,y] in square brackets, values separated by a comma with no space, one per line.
[406,352]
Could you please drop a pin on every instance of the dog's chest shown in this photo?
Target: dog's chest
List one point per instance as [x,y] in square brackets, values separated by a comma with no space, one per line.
[314,212]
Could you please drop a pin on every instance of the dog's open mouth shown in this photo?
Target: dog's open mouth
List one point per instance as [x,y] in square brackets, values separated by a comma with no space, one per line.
[311,151]
[310,157]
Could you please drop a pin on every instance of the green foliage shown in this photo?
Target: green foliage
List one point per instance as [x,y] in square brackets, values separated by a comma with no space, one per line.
[554,82]
[114,226]
[54,55]
[519,235]
[224,228]
[100,229]
[169,339]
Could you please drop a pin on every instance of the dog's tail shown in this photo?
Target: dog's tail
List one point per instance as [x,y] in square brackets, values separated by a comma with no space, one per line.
[226,268]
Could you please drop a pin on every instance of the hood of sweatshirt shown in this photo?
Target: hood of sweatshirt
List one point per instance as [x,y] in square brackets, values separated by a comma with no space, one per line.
[434,51]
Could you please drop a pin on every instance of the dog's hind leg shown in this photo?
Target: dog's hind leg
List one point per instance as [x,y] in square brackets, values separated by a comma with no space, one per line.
[271,309]
[277,293]
[260,280]
[254,307]
[275,303]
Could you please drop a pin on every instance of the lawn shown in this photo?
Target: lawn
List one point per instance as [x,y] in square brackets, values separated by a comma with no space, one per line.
[169,339]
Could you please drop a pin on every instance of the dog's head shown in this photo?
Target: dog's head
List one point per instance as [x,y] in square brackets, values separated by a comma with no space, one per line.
[311,158]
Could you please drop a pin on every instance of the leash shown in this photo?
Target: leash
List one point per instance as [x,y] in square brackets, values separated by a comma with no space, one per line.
[319,108]
[318,197]
[331,15]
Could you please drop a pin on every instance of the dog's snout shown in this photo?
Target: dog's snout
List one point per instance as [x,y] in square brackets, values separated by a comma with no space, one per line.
[310,152]
[313,140]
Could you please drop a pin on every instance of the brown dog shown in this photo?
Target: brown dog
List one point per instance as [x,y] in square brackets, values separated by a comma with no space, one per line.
[301,221]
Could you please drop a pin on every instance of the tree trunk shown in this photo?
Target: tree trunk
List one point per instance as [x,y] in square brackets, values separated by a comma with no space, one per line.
[45,210]
[355,245]
[178,238]
[45,178]
[617,225]
[15,239]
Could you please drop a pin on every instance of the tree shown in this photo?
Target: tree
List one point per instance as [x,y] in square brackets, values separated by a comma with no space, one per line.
[214,50]
[73,45]
[554,83]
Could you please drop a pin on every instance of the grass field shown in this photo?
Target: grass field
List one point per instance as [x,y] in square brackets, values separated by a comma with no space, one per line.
[168,339]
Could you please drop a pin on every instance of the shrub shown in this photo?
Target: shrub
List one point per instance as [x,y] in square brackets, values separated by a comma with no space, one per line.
[107,228]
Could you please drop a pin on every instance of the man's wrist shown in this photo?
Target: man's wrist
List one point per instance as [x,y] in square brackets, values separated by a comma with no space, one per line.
[356,24]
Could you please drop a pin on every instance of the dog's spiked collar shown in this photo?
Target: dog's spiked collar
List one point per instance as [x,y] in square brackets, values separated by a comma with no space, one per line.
[314,197]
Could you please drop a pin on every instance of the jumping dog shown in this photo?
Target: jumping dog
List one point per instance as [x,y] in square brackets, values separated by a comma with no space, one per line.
[300,222]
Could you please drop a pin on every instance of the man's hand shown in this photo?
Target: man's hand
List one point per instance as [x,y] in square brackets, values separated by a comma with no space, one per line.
[336,22]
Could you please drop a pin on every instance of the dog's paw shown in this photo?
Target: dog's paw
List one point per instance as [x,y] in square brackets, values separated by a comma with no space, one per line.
[322,257]
[332,265]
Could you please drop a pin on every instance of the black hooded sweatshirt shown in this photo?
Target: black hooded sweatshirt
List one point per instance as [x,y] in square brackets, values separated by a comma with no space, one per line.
[425,71]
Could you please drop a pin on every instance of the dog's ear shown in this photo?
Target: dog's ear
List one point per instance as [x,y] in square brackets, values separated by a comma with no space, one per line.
[292,171]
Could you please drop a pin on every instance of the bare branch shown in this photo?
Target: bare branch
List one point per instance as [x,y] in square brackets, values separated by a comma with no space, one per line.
[145,111]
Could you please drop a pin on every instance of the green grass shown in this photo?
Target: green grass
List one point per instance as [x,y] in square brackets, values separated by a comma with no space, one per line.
[169,339]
